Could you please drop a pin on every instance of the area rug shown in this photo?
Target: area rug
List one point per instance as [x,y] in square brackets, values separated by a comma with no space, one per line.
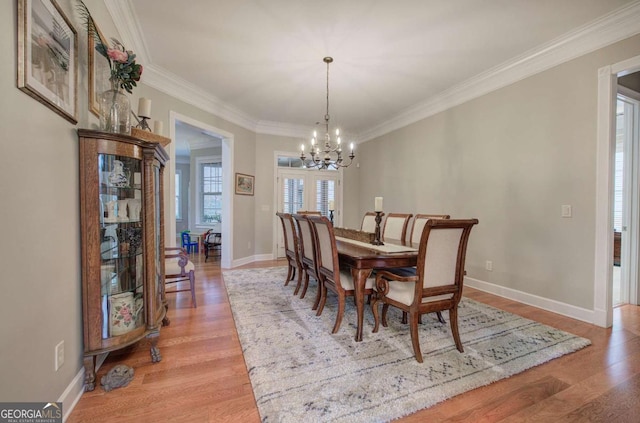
[299,371]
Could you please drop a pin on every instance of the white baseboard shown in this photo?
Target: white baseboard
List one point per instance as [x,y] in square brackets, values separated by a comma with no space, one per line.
[251,259]
[554,306]
[72,394]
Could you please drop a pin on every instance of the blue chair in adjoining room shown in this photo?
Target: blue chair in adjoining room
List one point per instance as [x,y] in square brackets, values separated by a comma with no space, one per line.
[187,244]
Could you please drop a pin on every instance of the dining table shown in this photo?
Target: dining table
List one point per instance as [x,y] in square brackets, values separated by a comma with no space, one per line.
[363,258]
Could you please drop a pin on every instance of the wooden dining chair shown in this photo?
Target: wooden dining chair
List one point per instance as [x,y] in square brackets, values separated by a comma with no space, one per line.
[418,224]
[414,239]
[395,226]
[291,250]
[438,283]
[340,282]
[212,242]
[178,268]
[307,256]
[369,222]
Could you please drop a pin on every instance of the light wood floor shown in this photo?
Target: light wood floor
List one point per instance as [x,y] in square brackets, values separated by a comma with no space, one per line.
[202,376]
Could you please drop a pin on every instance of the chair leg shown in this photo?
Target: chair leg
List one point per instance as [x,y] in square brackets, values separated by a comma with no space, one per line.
[385,307]
[304,287]
[323,298]
[300,277]
[317,300]
[339,315]
[413,317]
[289,274]
[440,318]
[299,271]
[192,284]
[453,317]
[376,317]
[404,320]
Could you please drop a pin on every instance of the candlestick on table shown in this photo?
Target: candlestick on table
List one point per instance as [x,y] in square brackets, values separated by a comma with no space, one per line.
[377,240]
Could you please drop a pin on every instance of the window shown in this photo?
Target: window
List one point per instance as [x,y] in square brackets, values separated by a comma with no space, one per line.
[210,184]
[178,194]
[325,192]
[293,194]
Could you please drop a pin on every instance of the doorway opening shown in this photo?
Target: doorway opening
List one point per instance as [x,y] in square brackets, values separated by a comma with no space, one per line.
[299,189]
[625,204]
[610,82]
[202,162]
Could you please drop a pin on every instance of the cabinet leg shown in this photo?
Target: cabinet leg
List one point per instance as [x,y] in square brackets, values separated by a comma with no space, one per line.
[89,373]
[155,351]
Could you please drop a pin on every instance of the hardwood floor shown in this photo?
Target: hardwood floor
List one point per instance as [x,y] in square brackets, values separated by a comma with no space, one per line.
[202,376]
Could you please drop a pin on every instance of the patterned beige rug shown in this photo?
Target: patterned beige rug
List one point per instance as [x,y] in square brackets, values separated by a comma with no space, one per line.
[301,372]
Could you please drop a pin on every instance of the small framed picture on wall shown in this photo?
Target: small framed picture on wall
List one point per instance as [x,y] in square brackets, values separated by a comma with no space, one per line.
[244,184]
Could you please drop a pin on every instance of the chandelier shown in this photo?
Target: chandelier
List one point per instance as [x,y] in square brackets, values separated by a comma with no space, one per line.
[328,155]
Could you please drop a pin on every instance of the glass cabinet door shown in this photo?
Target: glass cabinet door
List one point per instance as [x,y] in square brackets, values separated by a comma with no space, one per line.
[121,244]
[159,286]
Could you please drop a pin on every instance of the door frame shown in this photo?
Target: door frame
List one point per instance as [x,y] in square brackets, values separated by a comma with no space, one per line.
[605,157]
[227,180]
[630,231]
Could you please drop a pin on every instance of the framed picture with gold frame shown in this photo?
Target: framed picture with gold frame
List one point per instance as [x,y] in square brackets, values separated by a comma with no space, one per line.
[244,184]
[99,73]
[48,56]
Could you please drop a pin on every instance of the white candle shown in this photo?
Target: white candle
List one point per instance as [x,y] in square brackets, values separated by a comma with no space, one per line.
[157,127]
[378,206]
[144,107]
[331,205]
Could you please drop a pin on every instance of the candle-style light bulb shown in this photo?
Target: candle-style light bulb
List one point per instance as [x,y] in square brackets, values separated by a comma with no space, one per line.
[302,147]
[351,147]
[315,134]
[337,131]
[338,140]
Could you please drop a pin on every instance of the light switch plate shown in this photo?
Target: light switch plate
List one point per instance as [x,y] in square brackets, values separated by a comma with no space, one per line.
[566,211]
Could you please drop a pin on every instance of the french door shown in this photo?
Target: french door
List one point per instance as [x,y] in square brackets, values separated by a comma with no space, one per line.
[304,189]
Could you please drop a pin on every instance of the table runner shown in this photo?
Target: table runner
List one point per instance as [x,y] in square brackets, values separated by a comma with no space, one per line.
[387,248]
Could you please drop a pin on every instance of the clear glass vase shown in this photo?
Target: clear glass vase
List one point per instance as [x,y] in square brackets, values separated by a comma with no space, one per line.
[115,110]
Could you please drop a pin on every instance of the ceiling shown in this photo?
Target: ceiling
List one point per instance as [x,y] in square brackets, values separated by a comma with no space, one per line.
[259,63]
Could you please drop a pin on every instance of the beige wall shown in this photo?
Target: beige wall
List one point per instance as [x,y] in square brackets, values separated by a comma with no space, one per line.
[40,243]
[265,212]
[510,158]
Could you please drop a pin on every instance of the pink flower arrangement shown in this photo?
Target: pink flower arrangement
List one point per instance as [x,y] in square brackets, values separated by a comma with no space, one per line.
[117,55]
[124,69]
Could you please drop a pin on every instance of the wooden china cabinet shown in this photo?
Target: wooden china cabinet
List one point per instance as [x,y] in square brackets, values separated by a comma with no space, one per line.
[121,217]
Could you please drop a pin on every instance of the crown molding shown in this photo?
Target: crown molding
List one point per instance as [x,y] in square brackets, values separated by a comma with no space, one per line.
[284,129]
[613,27]
[173,85]
[126,21]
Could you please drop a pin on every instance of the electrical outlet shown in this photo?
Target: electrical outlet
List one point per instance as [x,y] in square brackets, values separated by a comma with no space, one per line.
[59,355]
[489,265]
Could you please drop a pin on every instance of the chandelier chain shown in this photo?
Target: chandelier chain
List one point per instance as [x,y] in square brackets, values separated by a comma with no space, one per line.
[332,157]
